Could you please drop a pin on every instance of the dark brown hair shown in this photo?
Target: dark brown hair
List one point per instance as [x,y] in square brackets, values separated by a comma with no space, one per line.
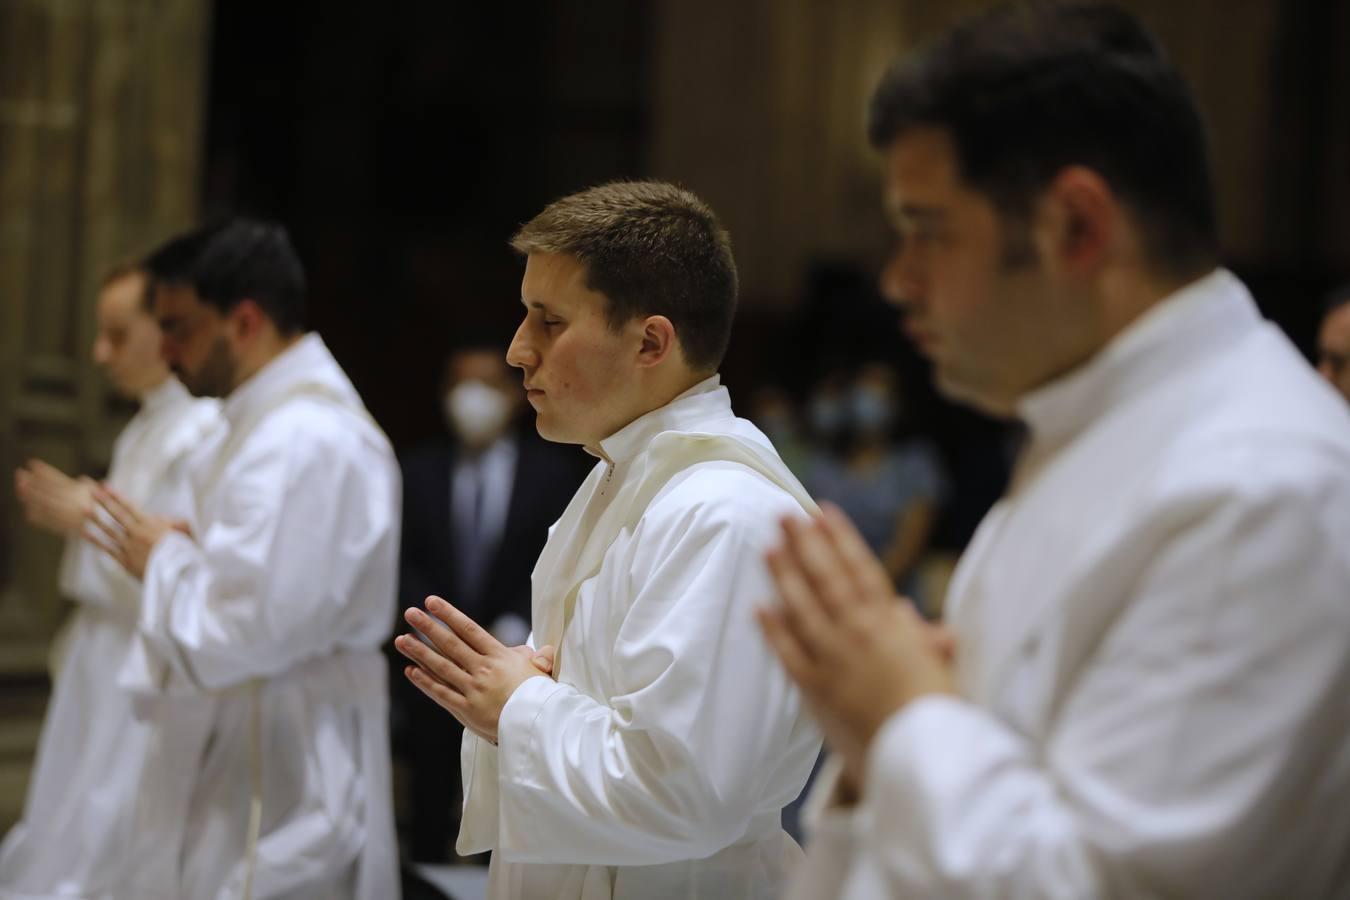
[1028,88]
[653,249]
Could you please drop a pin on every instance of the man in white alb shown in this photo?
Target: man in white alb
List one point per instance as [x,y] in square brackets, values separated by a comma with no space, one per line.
[78,835]
[271,611]
[1147,694]
[659,760]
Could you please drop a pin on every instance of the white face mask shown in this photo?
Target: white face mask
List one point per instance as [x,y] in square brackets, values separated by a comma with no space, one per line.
[477,412]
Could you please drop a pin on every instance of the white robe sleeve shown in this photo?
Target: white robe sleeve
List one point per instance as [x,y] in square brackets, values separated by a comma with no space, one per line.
[692,746]
[278,576]
[89,576]
[1168,771]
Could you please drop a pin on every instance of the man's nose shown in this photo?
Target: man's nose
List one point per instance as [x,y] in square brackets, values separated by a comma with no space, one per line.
[900,282]
[520,354]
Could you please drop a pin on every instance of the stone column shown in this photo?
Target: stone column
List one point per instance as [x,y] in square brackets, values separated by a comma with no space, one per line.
[101,114]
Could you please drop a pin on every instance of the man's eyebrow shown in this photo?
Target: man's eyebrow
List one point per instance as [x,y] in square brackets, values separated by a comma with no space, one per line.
[534,304]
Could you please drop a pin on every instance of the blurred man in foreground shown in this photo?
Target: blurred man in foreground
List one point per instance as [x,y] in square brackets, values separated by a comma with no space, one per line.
[1147,695]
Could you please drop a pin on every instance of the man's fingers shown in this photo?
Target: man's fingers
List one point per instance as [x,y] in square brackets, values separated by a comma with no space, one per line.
[802,610]
[113,533]
[784,643]
[46,470]
[102,543]
[116,506]
[869,575]
[820,563]
[469,631]
[438,666]
[449,700]
[536,658]
[446,642]
[47,477]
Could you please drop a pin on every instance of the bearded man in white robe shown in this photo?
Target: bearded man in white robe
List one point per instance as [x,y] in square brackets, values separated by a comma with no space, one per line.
[657,760]
[1142,689]
[78,835]
[268,611]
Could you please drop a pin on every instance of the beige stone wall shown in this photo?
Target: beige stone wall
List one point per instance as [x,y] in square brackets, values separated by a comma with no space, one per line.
[101,111]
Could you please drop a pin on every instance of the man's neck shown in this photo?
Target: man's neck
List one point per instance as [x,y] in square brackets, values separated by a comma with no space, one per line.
[266,353]
[153,387]
[1132,292]
[660,396]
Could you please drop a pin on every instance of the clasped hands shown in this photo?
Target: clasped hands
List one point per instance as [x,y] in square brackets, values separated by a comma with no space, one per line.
[63,505]
[463,668]
[858,652]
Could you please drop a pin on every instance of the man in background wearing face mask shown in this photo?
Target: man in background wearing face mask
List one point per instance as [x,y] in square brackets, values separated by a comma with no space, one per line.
[477,507]
[890,486]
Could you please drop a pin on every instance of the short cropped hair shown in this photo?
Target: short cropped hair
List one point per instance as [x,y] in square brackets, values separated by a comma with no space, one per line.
[235,260]
[650,248]
[1028,88]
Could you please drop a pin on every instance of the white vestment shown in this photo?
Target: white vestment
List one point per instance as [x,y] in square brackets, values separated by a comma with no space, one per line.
[272,619]
[78,836]
[1153,644]
[658,762]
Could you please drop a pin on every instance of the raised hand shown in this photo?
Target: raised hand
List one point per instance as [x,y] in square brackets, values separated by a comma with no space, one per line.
[857,651]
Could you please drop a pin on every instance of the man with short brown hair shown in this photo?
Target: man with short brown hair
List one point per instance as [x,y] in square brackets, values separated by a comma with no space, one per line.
[658,762]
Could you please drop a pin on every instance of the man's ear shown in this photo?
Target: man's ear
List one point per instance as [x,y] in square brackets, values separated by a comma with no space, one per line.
[1083,218]
[658,340]
[247,320]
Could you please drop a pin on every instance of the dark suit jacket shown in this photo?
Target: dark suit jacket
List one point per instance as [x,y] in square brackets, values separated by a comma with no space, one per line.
[546,477]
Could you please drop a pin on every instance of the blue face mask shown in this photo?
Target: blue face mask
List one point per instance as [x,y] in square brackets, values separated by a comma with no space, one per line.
[870,410]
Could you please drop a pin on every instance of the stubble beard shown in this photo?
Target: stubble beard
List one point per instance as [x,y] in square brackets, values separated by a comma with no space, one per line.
[215,378]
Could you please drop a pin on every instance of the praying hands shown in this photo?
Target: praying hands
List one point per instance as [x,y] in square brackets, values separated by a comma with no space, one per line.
[857,651]
[126,533]
[51,499]
[466,670]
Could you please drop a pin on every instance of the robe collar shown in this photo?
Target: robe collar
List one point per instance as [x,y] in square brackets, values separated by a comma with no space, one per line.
[306,361]
[163,396]
[703,405]
[1191,324]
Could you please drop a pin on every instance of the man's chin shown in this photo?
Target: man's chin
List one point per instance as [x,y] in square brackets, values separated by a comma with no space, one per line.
[550,432]
[197,388]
